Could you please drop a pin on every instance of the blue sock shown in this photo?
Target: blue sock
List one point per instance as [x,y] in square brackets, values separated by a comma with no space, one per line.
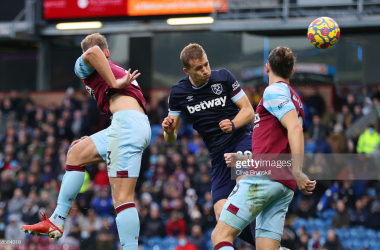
[128,225]
[224,245]
[71,184]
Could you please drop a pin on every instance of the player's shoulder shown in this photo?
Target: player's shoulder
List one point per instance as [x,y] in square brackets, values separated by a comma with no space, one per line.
[278,88]
[221,75]
[180,87]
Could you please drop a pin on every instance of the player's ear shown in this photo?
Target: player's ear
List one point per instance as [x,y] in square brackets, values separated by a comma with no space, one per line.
[107,53]
[186,70]
[267,67]
[293,70]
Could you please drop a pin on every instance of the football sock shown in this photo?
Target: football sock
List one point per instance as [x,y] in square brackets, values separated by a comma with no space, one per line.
[224,245]
[71,184]
[128,225]
[248,233]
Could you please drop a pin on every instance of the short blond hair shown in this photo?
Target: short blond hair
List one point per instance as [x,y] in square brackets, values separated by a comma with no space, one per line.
[192,51]
[92,40]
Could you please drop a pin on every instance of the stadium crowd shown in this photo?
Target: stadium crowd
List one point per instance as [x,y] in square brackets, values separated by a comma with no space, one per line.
[173,192]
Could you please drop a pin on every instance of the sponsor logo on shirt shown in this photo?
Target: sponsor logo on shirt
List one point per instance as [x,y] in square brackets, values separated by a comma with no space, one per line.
[297,100]
[220,101]
[283,104]
[235,86]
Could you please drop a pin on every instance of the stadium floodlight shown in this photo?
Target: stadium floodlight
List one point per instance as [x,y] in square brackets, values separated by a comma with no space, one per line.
[190,20]
[79,25]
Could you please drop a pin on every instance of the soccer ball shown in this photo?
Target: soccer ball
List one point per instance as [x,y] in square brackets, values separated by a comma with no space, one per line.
[323,33]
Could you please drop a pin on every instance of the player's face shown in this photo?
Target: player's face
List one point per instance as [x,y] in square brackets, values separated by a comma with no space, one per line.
[199,70]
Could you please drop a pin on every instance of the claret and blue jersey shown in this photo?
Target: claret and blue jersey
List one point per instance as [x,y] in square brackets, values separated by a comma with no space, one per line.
[208,105]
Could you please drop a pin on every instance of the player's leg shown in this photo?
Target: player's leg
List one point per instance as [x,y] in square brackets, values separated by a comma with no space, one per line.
[222,186]
[128,135]
[86,152]
[248,199]
[270,222]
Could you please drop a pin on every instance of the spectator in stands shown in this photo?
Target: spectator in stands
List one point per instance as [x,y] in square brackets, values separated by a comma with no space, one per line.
[13,230]
[368,141]
[332,242]
[362,95]
[208,219]
[92,222]
[154,224]
[306,208]
[105,240]
[101,177]
[357,113]
[347,194]
[2,223]
[316,242]
[337,140]
[184,244]
[374,221]
[359,217]
[342,218]
[17,203]
[197,238]
[176,225]
[103,204]
[30,213]
[351,103]
[315,103]
[316,130]
[367,106]
[7,186]
[289,238]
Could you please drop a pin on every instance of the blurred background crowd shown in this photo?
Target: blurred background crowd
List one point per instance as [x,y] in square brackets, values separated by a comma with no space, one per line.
[173,192]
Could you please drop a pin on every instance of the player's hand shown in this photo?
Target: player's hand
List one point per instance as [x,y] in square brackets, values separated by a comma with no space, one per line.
[226,126]
[304,184]
[127,79]
[78,141]
[231,158]
[169,124]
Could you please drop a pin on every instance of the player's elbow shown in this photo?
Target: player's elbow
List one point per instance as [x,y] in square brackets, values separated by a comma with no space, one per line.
[295,129]
[251,114]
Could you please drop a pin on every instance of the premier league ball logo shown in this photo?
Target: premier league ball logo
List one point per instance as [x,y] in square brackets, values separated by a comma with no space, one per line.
[217,88]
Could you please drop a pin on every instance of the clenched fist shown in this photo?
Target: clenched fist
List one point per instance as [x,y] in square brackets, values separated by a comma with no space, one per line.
[226,126]
[169,124]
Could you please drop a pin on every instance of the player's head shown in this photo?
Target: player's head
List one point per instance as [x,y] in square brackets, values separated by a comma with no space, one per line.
[195,62]
[281,62]
[95,39]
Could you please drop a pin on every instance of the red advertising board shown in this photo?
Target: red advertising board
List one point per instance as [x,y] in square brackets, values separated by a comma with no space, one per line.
[66,9]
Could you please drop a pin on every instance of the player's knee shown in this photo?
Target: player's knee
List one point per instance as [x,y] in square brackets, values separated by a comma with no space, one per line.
[74,157]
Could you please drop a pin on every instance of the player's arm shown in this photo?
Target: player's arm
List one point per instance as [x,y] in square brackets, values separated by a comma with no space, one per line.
[296,142]
[245,115]
[94,58]
[170,126]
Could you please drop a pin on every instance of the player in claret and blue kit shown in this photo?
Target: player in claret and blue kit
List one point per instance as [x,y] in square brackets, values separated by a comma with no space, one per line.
[120,145]
[219,111]
[277,132]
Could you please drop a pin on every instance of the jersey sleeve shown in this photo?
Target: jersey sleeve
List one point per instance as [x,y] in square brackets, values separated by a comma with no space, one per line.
[174,103]
[277,100]
[81,69]
[234,90]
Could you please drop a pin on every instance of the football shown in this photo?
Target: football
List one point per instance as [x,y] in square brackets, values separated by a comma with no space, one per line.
[323,33]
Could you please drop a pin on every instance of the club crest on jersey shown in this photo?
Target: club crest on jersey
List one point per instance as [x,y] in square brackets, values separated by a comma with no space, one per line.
[189,98]
[217,88]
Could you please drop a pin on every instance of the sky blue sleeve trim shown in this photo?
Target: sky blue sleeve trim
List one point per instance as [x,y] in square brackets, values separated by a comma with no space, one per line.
[238,96]
[174,113]
[279,117]
[82,70]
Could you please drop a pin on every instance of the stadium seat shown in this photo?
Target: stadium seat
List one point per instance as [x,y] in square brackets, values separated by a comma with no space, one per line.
[155,241]
[300,222]
[169,242]
[370,234]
